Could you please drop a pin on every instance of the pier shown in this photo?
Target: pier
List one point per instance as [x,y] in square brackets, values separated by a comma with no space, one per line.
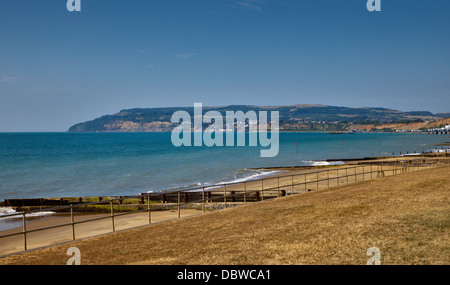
[440,131]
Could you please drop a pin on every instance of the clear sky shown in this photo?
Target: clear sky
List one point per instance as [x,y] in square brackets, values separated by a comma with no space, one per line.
[58,68]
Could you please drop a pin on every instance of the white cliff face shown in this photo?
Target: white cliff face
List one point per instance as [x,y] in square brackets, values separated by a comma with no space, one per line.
[128,126]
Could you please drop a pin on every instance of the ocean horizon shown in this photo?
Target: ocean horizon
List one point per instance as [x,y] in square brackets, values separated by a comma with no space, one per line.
[54,164]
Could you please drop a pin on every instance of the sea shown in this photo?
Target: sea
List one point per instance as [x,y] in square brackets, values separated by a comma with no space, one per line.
[52,165]
[48,165]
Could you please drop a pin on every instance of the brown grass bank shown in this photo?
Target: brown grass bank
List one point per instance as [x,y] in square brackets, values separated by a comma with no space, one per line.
[406,216]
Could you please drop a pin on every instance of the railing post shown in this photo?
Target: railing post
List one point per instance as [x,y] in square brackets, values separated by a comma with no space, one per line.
[112,216]
[278,191]
[346,174]
[305,181]
[337,176]
[24,230]
[317,180]
[328,178]
[245,192]
[179,208]
[203,199]
[225,195]
[262,190]
[149,208]
[292,184]
[72,221]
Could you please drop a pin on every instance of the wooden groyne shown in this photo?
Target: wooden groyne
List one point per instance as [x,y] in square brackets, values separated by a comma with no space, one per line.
[131,203]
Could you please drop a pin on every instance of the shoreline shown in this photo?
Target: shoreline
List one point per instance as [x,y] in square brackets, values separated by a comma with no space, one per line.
[73,179]
[398,212]
[62,231]
[281,131]
[268,172]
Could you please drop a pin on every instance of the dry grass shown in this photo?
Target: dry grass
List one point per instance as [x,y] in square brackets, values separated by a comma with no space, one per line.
[406,216]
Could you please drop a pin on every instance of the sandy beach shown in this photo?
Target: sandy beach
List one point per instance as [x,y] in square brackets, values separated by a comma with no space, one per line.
[63,234]
[405,215]
[290,180]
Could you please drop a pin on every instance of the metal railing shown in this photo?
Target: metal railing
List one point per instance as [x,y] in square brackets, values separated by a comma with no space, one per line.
[232,194]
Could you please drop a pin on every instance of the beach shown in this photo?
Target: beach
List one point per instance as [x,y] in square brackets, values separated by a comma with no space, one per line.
[404,215]
[297,180]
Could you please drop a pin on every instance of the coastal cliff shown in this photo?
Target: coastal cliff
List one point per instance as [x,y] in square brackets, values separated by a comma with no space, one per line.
[292,118]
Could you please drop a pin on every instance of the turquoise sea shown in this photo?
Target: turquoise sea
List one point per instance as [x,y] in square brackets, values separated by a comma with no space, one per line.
[42,165]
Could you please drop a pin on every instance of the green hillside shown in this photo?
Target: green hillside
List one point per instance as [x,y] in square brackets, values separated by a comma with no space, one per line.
[293,117]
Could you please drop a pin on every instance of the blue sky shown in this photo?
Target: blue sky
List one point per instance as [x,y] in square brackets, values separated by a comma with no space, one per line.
[59,68]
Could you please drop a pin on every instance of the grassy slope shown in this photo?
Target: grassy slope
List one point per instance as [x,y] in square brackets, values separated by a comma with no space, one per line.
[406,216]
